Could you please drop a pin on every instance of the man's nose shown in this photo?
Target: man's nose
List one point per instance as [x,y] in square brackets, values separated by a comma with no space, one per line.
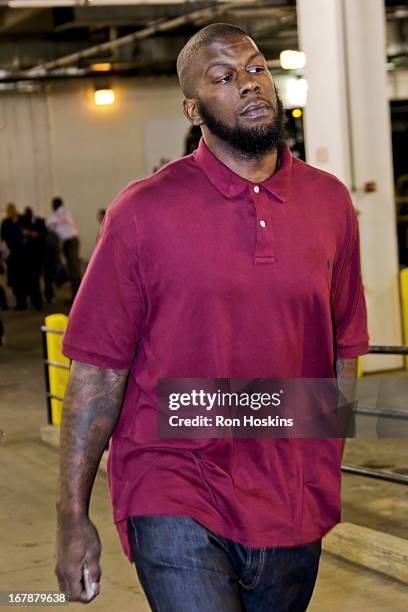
[247,83]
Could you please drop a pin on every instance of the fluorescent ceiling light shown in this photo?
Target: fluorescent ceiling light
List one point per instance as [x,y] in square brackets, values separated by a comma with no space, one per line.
[37,71]
[296,92]
[292,60]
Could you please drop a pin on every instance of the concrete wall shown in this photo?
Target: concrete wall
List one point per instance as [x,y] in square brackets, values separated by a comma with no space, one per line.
[57,142]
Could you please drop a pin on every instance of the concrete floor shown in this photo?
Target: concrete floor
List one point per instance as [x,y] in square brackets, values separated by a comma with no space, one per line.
[28,474]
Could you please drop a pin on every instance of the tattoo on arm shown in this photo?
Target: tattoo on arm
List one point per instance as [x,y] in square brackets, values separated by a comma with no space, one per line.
[346,368]
[91,408]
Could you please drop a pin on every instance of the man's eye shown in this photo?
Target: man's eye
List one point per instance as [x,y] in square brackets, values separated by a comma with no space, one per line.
[256,69]
[224,79]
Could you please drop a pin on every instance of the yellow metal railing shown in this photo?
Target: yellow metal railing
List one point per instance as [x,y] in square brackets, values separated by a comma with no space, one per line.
[404,307]
[56,365]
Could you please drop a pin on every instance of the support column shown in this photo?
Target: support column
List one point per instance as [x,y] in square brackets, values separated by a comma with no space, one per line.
[347,132]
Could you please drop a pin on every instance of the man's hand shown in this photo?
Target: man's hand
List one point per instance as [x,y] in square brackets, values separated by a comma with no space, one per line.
[78,548]
[92,404]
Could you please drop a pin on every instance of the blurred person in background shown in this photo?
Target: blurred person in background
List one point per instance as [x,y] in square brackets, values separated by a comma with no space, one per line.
[4,253]
[12,234]
[62,223]
[34,232]
[100,215]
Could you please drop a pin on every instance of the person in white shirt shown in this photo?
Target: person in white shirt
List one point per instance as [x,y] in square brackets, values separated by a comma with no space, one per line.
[62,223]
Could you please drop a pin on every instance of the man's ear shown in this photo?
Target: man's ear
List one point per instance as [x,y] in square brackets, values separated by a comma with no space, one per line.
[191,112]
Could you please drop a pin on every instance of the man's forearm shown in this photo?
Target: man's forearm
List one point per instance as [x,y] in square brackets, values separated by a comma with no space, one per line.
[346,368]
[346,372]
[91,408]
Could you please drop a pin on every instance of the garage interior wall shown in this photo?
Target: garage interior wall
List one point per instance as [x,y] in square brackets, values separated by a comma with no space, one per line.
[57,142]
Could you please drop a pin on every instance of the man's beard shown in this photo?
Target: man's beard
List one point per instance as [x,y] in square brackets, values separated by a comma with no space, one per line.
[250,141]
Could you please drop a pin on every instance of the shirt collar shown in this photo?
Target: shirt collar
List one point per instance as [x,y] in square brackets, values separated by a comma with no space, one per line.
[231,184]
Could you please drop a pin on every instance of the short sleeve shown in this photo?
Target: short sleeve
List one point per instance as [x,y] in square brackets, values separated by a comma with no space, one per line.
[106,320]
[348,302]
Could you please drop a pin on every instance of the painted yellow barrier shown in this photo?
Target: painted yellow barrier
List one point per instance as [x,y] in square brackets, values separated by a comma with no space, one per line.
[404,307]
[359,367]
[58,376]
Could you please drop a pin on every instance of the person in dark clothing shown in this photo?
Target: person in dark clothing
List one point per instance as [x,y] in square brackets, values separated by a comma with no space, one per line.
[11,233]
[4,253]
[34,231]
[101,215]
[3,297]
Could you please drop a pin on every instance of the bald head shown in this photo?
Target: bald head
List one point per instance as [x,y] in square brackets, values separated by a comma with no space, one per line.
[187,58]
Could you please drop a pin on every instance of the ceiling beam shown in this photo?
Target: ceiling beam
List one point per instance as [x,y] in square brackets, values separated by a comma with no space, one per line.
[12,20]
[155,28]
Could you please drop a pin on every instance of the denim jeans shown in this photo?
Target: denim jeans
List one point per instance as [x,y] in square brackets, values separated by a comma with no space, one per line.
[184,567]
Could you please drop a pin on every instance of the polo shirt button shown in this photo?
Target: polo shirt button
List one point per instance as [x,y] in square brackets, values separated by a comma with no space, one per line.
[256,189]
[262,223]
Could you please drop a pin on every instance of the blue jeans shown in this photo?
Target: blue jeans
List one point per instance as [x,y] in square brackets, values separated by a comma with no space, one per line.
[185,567]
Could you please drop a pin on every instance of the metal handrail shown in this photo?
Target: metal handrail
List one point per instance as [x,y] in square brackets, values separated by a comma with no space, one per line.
[57,364]
[382,412]
[377,474]
[54,396]
[388,350]
[44,328]
[368,472]
[359,471]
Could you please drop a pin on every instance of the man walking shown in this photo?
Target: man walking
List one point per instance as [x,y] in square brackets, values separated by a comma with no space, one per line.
[238,261]
[62,223]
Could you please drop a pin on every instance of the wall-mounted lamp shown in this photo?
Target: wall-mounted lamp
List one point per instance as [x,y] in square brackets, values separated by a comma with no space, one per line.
[101,67]
[292,60]
[104,97]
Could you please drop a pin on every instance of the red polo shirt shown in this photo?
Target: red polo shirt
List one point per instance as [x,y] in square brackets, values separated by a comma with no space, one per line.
[199,273]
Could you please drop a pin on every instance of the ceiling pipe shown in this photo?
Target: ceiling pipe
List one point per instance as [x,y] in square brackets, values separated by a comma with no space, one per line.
[163,26]
[35,4]
[17,4]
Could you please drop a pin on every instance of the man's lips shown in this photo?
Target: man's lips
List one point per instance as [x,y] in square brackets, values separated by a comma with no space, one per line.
[256,109]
